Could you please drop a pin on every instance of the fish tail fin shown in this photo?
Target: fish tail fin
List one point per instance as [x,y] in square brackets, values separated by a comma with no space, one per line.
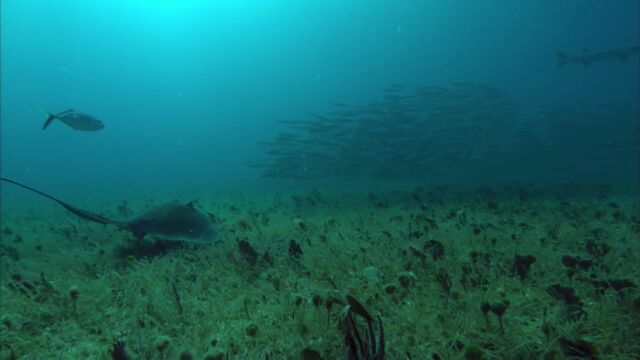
[563,59]
[50,118]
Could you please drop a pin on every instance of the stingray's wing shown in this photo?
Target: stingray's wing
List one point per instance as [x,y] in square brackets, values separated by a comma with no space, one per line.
[174,222]
[136,226]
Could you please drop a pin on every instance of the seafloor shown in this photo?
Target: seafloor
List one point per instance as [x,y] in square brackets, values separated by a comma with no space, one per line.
[559,264]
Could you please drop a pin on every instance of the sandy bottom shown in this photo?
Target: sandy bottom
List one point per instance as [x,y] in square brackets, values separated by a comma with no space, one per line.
[512,272]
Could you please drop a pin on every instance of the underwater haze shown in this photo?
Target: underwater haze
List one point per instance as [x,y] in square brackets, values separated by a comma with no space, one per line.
[295,174]
[187,88]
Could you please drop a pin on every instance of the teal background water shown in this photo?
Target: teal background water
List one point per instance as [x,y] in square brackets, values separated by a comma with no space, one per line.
[187,88]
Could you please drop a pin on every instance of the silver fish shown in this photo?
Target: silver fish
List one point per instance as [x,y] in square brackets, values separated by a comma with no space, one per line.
[587,56]
[76,120]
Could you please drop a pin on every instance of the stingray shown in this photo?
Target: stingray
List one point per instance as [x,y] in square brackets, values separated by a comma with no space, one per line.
[172,221]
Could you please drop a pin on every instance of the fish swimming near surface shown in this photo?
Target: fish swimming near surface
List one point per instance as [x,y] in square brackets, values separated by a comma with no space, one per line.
[172,221]
[75,119]
[587,56]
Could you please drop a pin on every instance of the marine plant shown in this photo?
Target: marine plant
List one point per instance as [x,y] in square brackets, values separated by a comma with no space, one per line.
[361,347]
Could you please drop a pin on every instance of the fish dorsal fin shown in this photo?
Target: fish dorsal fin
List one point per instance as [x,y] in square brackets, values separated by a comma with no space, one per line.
[190,205]
[65,112]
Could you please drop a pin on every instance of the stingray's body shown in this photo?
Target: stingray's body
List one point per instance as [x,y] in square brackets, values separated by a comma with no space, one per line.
[177,222]
[174,222]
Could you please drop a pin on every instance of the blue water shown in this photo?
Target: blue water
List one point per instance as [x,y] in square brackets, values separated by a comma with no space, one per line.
[187,88]
[195,97]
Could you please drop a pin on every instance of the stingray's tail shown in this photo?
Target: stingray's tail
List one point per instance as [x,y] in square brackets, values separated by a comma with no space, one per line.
[79,212]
